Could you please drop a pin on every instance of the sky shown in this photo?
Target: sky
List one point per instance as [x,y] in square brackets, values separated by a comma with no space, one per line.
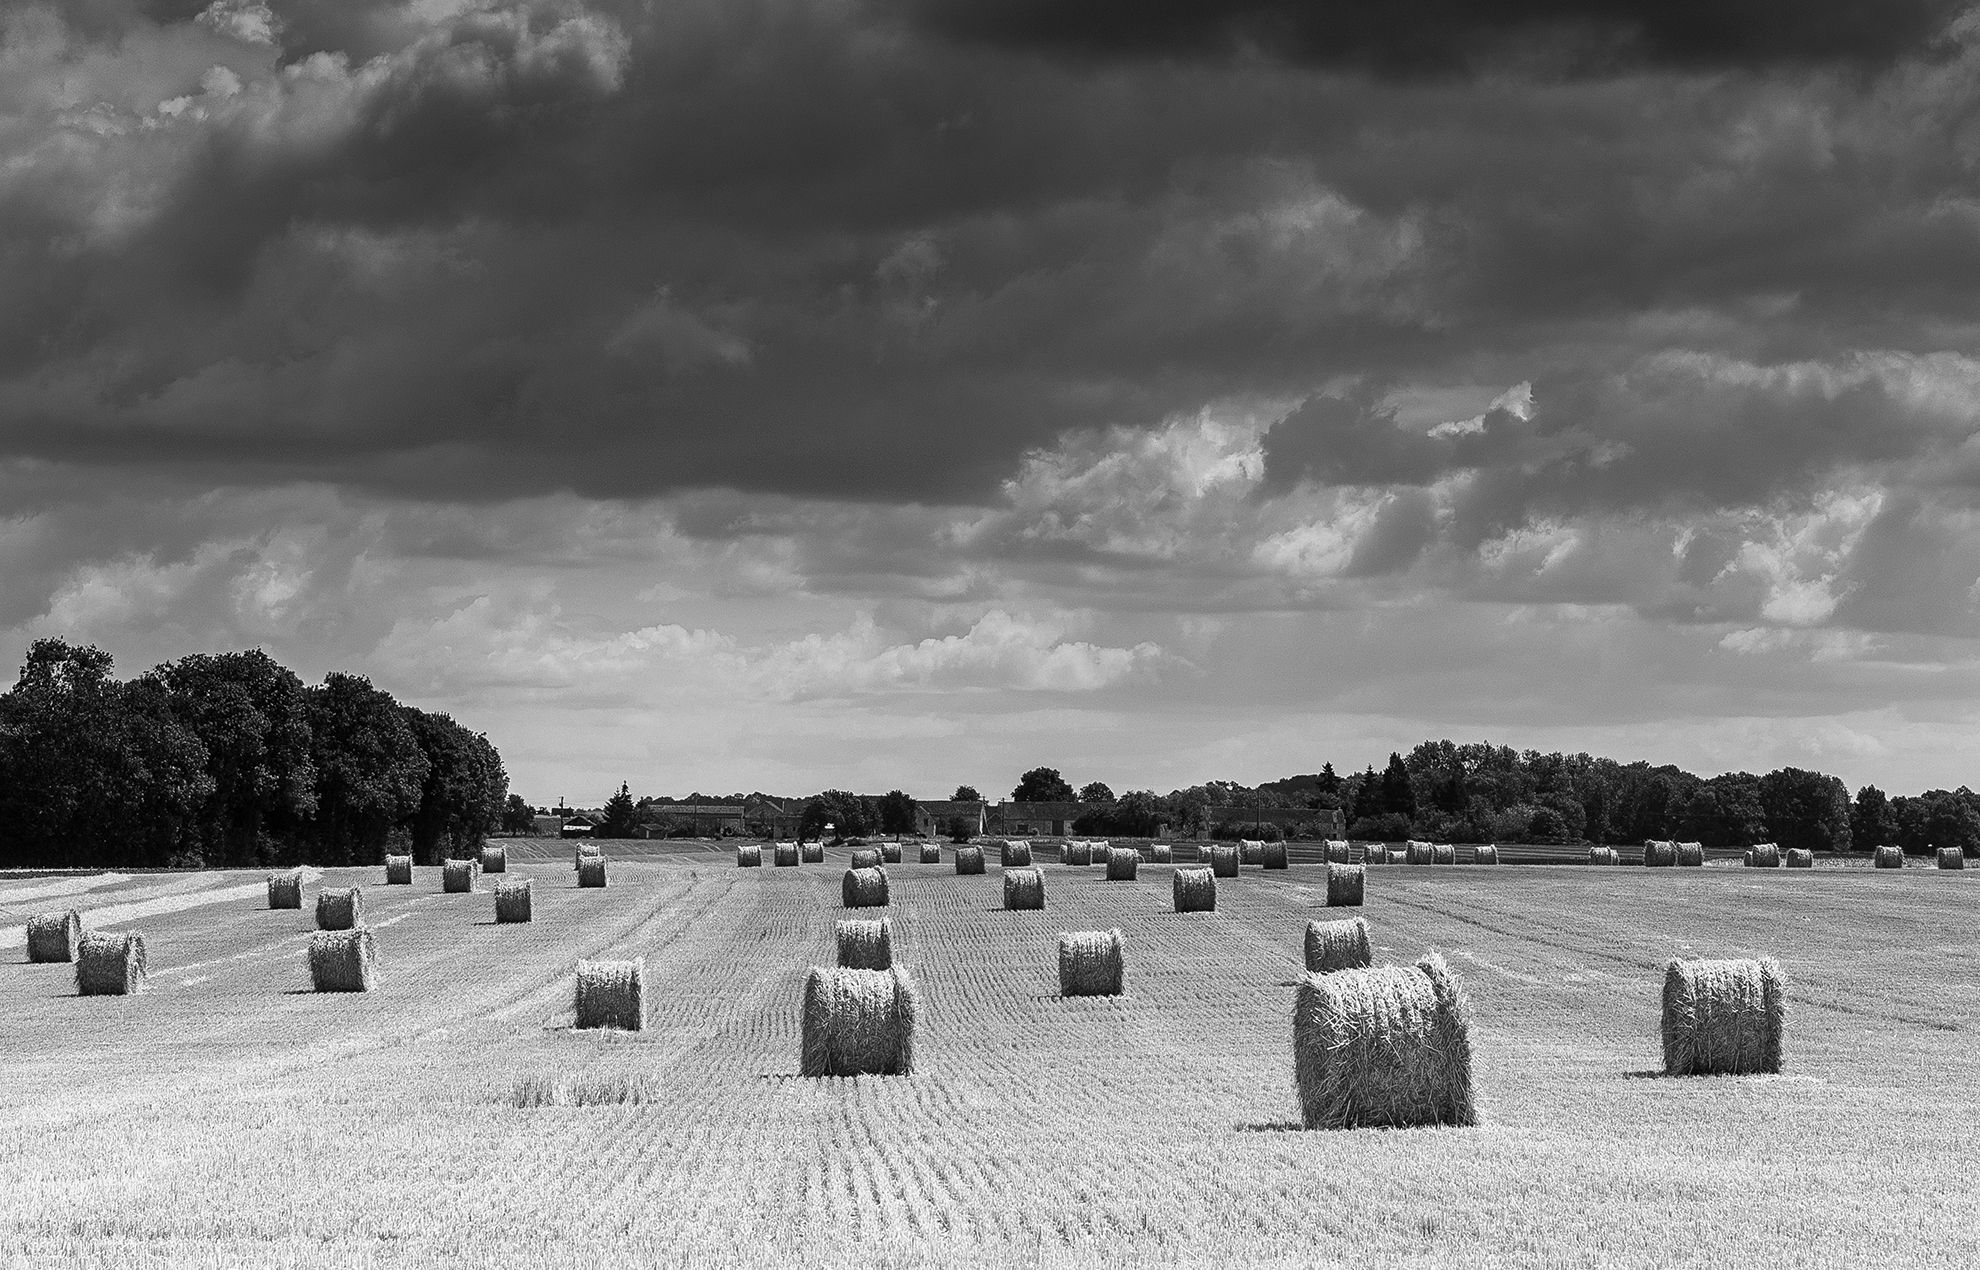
[754,394]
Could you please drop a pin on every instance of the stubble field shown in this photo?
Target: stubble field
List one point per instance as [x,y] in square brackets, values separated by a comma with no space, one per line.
[231,1117]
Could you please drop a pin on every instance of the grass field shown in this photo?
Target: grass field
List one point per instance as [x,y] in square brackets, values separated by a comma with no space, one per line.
[230,1117]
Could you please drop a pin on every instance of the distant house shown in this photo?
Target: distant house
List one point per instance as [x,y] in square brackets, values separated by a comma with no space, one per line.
[932,819]
[1044,819]
[1238,815]
[579,824]
[706,820]
[773,817]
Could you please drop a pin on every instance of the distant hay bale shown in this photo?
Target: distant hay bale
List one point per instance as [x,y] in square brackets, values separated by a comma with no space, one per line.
[1024,888]
[1603,855]
[1800,858]
[1691,855]
[1161,853]
[1763,855]
[890,853]
[284,890]
[1224,861]
[1487,854]
[339,908]
[1345,885]
[612,994]
[1274,856]
[931,853]
[1387,1046]
[811,852]
[785,854]
[1337,851]
[1723,1018]
[398,870]
[749,855]
[866,858]
[1091,964]
[858,1023]
[1392,855]
[343,961]
[1251,851]
[1073,851]
[1122,864]
[1195,890]
[1658,854]
[865,943]
[1952,858]
[1421,852]
[110,965]
[969,859]
[584,849]
[592,872]
[865,888]
[1014,854]
[1889,857]
[1443,853]
[512,900]
[457,877]
[494,859]
[1337,945]
[55,936]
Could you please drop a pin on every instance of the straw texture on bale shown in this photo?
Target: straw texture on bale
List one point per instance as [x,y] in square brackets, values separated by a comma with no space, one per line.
[890,853]
[858,1023]
[1274,856]
[865,943]
[1952,858]
[592,872]
[1161,853]
[1071,852]
[1763,855]
[786,855]
[612,994]
[969,859]
[343,961]
[1691,855]
[1251,850]
[398,870]
[1014,854]
[864,888]
[457,877]
[931,853]
[1024,888]
[110,965]
[749,855]
[1195,890]
[1487,854]
[1419,852]
[1443,853]
[1602,855]
[1889,857]
[1659,854]
[494,859]
[1224,861]
[56,936]
[285,889]
[339,908]
[1122,864]
[811,852]
[1091,964]
[866,858]
[1340,945]
[1800,858]
[1385,1046]
[1345,884]
[584,849]
[1723,1018]
[1394,855]
[1337,851]
[512,900]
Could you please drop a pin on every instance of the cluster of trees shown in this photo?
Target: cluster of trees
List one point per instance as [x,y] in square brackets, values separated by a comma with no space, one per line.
[229,759]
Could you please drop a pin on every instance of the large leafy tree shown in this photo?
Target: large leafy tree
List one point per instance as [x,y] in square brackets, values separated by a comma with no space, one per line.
[370,768]
[896,812]
[849,815]
[1806,809]
[1042,785]
[1096,792]
[1873,821]
[966,794]
[621,815]
[251,714]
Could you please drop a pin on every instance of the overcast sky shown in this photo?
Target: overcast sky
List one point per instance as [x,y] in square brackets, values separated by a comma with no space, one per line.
[733,394]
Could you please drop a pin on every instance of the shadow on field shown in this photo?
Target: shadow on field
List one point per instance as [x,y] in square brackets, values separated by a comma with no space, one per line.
[1271,1126]
[1649,1074]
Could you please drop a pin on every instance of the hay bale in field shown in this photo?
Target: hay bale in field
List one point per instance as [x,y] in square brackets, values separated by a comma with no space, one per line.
[1393,855]
[1161,853]
[339,908]
[1195,889]
[343,961]
[457,877]
[1251,851]
[56,936]
[1952,858]
[584,849]
[592,872]
[110,965]
[1420,852]
[1486,854]
[1224,861]
[494,859]
[811,852]
[890,853]
[865,943]
[1443,853]
[612,994]
[1273,857]
[1383,1046]
[1024,888]
[749,855]
[931,853]
[1336,851]
[785,854]
[858,1023]
[398,870]
[1691,855]
[969,859]
[1603,855]
[1800,858]
[1763,855]
[864,888]
[1888,857]
[1091,964]
[284,890]
[1338,945]
[1122,864]
[1345,885]
[1014,853]
[1723,1018]
[866,858]
[1658,854]
[512,900]
[1075,852]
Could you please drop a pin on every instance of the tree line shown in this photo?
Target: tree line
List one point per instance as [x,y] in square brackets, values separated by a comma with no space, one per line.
[228,759]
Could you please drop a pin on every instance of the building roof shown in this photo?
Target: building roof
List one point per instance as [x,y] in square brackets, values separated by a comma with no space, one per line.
[1043,811]
[694,809]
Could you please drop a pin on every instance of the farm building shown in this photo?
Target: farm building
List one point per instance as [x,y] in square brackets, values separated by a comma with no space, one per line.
[931,819]
[1043,819]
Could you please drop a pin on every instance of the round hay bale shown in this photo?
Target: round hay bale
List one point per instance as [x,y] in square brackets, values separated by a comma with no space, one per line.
[811,852]
[512,900]
[1952,858]
[1122,864]
[1224,861]
[398,870]
[1274,856]
[285,889]
[1420,852]
[1345,884]
[1195,890]
[1024,888]
[457,877]
[858,1023]
[866,858]
[1603,855]
[1723,1018]
[1658,854]
[1487,854]
[343,961]
[612,994]
[584,849]
[339,908]
[1251,851]
[1763,855]
[890,853]
[1337,852]
[494,859]
[785,854]
[749,855]
[1072,852]
[1014,854]
[110,965]
[969,859]
[1691,855]
[1800,858]
[1161,853]
[1443,853]
[867,888]
[56,936]
[1383,1046]
[865,943]
[1091,964]
[1889,857]
[931,853]
[1337,945]
[1395,855]
[592,872]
